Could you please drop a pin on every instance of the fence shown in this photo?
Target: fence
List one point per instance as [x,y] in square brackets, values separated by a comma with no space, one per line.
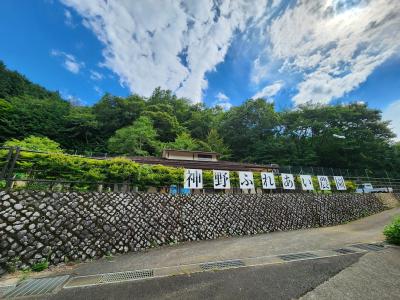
[27,169]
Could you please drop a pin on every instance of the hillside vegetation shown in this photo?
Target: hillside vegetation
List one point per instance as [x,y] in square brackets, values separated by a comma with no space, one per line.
[251,132]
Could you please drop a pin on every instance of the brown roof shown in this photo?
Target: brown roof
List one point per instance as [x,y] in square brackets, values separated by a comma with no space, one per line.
[189,151]
[204,165]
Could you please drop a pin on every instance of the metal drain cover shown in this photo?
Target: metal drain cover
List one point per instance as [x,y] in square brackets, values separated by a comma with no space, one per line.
[369,247]
[344,251]
[222,265]
[125,276]
[297,256]
[36,287]
[109,278]
[4,289]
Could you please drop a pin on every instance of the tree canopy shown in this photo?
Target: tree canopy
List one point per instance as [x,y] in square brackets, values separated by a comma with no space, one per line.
[138,139]
[35,143]
[342,136]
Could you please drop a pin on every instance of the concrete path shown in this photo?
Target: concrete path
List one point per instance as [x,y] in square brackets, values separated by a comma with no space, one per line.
[361,231]
[374,276]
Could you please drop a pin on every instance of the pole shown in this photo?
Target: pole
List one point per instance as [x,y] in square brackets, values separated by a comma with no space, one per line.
[4,170]
[388,178]
[11,170]
[366,173]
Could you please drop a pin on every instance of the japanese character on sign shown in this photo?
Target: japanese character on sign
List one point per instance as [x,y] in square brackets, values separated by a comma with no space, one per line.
[324,183]
[268,180]
[246,180]
[306,182]
[221,179]
[288,181]
[193,179]
[340,184]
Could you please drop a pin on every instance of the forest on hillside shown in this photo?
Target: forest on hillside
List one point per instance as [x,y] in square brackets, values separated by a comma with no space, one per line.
[341,136]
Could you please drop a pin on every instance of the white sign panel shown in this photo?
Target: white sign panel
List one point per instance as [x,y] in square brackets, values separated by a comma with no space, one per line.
[193,179]
[306,182]
[246,180]
[268,180]
[324,183]
[221,180]
[340,184]
[288,181]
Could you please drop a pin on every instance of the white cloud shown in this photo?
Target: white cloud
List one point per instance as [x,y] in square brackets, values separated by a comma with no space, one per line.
[335,46]
[69,61]
[259,72]
[324,48]
[94,75]
[68,19]
[269,90]
[392,113]
[98,90]
[221,96]
[74,100]
[222,101]
[172,44]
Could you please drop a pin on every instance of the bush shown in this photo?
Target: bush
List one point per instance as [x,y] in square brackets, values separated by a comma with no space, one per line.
[13,264]
[38,267]
[392,231]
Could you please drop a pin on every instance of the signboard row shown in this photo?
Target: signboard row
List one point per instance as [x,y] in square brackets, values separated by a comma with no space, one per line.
[194,180]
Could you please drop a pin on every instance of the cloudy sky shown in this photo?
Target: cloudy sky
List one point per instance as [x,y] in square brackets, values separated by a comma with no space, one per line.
[218,52]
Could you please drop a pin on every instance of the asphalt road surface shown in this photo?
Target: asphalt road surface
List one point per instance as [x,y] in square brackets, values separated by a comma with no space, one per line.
[280,281]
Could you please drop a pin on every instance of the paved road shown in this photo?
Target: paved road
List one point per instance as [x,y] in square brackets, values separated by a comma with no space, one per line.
[281,281]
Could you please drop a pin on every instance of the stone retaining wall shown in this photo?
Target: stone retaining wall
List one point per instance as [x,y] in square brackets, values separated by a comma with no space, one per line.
[35,226]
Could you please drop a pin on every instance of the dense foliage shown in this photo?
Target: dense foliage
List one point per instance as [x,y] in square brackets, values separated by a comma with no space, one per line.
[42,144]
[392,231]
[251,132]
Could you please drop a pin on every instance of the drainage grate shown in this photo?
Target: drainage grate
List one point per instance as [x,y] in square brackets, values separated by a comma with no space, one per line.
[4,289]
[222,265]
[297,256]
[369,247]
[125,276]
[344,251]
[35,287]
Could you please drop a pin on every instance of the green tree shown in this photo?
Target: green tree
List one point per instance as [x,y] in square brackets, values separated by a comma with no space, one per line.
[245,127]
[26,115]
[364,139]
[203,119]
[82,129]
[35,143]
[164,121]
[14,84]
[215,143]
[113,112]
[137,139]
[183,142]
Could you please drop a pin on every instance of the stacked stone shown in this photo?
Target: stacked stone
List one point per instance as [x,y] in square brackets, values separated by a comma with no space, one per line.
[37,226]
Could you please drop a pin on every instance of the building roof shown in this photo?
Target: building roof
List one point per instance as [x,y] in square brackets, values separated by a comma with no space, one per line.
[204,165]
[188,151]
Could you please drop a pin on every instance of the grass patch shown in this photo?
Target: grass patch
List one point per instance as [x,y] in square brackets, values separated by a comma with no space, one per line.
[38,267]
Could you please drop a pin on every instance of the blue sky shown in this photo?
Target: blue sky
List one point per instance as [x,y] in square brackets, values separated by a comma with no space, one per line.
[289,52]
